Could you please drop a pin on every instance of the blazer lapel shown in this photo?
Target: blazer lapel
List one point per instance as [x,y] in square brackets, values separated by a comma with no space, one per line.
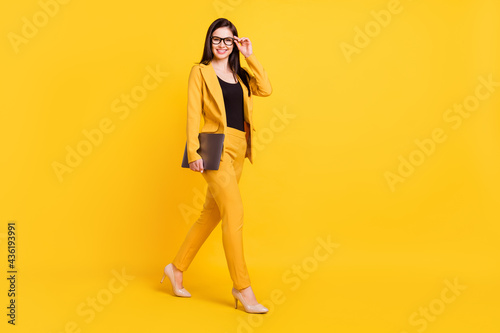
[245,100]
[213,85]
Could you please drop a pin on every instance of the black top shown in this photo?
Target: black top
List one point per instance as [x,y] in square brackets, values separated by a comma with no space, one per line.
[233,102]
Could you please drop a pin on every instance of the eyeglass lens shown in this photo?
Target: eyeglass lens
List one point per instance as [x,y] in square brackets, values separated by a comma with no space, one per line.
[228,41]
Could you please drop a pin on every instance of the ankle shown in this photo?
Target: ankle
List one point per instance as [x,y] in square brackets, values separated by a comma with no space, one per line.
[175,269]
[244,289]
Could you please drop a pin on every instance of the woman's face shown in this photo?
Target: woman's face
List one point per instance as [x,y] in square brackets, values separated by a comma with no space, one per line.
[222,51]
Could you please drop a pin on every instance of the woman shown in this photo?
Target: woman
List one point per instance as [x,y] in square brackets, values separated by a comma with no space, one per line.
[221,90]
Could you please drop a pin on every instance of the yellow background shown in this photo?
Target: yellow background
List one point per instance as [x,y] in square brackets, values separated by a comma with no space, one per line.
[320,175]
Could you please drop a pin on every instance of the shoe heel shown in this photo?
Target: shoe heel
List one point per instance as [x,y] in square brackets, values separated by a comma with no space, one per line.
[258,308]
[168,271]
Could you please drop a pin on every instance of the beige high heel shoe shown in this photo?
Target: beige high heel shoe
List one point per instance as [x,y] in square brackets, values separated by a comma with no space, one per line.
[258,308]
[169,271]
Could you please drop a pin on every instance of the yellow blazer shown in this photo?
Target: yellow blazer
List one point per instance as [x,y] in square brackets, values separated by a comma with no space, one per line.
[205,98]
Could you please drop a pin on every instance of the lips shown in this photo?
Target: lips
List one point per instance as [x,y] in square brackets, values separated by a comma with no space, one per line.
[222,51]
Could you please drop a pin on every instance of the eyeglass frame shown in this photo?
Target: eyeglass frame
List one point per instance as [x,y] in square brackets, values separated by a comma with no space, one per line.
[222,40]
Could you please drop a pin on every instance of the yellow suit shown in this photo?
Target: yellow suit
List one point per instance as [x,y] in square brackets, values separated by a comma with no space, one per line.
[205,98]
[223,198]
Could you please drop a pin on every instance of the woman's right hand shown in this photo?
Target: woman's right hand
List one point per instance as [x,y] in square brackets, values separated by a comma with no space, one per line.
[196,165]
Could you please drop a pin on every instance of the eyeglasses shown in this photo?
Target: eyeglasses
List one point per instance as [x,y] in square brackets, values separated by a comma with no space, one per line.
[228,40]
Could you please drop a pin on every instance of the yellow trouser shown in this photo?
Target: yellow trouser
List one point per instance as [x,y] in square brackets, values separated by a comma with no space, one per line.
[223,199]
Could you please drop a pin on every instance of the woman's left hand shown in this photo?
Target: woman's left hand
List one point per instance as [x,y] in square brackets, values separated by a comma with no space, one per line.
[244,45]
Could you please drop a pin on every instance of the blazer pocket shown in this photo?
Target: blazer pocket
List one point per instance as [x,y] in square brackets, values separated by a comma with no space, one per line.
[210,127]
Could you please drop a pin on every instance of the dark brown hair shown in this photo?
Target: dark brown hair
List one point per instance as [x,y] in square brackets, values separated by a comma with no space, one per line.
[234,57]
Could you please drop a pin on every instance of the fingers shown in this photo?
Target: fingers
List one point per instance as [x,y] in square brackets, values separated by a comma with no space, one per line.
[242,39]
[197,165]
[244,44]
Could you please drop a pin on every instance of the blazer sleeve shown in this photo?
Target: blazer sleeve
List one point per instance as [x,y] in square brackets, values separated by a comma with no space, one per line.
[259,82]
[194,109]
